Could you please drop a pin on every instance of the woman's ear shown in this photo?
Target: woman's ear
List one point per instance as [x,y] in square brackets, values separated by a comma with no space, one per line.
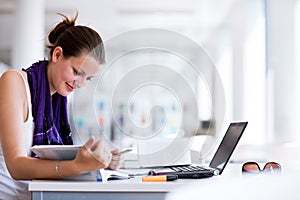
[57,54]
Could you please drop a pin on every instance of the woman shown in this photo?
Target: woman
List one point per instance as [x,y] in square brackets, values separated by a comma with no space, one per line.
[35,99]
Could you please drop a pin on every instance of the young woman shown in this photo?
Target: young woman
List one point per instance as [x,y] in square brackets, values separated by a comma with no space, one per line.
[33,111]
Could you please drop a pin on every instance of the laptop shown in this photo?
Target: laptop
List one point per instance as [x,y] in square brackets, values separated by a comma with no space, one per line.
[218,162]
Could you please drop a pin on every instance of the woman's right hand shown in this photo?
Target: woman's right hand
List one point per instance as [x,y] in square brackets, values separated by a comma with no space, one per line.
[93,156]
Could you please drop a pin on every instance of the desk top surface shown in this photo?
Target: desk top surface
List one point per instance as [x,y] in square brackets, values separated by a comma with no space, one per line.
[266,186]
[134,184]
[128,185]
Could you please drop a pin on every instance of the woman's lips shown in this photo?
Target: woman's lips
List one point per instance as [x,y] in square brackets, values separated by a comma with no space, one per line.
[69,87]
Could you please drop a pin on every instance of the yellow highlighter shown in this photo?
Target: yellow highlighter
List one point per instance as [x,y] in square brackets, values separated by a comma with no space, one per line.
[159,178]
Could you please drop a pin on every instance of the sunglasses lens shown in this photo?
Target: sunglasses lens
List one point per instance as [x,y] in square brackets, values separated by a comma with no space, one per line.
[250,167]
[272,166]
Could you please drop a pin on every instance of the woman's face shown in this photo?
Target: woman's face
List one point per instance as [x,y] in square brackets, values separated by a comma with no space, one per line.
[71,73]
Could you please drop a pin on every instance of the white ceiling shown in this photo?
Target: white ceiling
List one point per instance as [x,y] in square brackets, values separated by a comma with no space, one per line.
[194,18]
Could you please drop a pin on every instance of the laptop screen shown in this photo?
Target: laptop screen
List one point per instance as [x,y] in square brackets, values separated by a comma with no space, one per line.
[227,145]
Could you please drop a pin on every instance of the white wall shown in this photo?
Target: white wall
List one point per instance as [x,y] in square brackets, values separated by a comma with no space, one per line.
[282,70]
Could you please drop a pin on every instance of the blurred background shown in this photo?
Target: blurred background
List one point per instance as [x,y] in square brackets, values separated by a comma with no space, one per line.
[254,45]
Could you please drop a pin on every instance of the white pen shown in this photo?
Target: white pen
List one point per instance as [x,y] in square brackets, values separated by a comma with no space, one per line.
[125,151]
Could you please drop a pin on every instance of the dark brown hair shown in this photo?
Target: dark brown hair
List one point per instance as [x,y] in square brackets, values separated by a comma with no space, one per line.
[75,40]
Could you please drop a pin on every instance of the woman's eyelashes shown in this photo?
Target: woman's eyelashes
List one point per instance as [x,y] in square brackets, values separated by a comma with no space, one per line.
[82,74]
[76,72]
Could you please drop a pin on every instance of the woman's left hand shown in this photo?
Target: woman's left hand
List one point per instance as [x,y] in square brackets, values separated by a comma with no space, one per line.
[115,160]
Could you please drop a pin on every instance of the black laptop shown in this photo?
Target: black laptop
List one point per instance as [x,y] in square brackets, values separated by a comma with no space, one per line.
[217,164]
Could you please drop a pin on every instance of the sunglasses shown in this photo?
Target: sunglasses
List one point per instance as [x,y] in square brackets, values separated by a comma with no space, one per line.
[253,167]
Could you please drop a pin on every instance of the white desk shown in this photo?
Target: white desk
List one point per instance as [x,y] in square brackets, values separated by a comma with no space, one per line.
[230,185]
[117,189]
[124,189]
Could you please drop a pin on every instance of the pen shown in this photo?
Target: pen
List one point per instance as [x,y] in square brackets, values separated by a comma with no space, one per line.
[159,178]
[125,151]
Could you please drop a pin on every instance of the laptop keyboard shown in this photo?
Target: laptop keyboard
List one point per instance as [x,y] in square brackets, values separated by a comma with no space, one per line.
[188,168]
[187,171]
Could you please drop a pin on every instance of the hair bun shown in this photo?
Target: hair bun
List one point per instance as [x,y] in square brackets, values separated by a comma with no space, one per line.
[61,27]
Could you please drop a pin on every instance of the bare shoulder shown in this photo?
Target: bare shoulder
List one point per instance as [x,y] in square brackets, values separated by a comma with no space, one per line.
[11,77]
[10,74]
[11,83]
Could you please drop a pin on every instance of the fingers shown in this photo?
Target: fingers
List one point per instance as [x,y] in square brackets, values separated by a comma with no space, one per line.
[115,160]
[99,155]
[88,145]
[115,152]
[101,147]
[114,165]
[102,152]
[116,157]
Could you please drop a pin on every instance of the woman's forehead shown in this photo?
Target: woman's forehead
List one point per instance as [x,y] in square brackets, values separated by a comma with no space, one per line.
[88,64]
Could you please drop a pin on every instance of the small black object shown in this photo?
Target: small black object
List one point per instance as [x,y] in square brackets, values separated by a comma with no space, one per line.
[152,173]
